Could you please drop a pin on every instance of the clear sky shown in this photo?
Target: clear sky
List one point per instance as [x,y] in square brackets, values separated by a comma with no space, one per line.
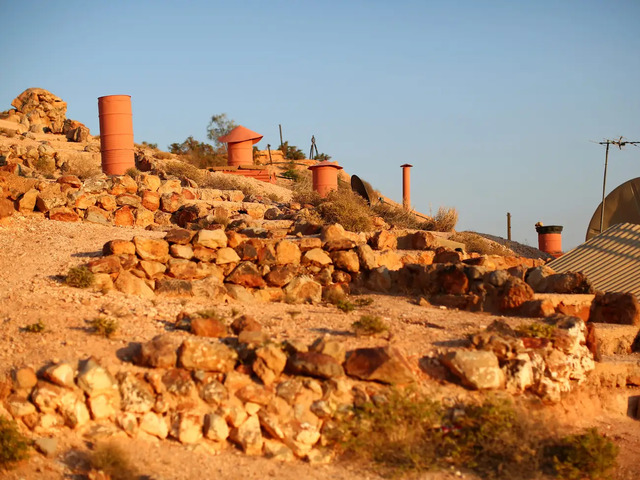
[495,103]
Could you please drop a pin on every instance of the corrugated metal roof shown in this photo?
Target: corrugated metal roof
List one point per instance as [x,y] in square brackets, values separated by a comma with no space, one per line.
[611,260]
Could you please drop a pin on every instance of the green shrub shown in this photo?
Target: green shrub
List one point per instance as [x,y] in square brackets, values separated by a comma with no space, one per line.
[79,277]
[13,445]
[409,432]
[104,326]
[369,325]
[399,433]
[345,305]
[495,440]
[37,327]
[114,461]
[535,330]
[588,455]
[291,152]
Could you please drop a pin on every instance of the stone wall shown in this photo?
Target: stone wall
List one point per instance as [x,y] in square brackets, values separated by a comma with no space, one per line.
[268,398]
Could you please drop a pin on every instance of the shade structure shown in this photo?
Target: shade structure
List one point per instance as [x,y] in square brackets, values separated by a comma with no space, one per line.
[325,177]
[240,143]
[116,134]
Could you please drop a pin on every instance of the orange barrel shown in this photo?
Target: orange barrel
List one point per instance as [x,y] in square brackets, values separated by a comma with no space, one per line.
[240,153]
[550,239]
[325,177]
[116,134]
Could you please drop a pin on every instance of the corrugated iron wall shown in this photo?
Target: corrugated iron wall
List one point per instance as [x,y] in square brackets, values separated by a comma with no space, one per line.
[611,260]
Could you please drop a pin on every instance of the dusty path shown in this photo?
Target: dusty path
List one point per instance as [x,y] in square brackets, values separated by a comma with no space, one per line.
[35,253]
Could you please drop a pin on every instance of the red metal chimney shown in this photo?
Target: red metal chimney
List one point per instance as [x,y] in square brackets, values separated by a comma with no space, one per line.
[325,177]
[240,142]
[116,134]
[406,186]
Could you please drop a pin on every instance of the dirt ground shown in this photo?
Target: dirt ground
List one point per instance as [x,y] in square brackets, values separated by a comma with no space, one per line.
[34,255]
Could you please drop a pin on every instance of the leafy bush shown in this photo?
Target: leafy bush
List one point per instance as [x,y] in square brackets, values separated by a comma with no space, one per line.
[114,461]
[37,327]
[588,455]
[13,445]
[535,330]
[404,431]
[79,277]
[104,326]
[369,325]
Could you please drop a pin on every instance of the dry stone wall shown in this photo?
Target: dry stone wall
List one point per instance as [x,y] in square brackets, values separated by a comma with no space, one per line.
[268,398]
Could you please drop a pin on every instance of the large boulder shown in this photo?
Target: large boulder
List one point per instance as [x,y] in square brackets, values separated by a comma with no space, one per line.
[41,107]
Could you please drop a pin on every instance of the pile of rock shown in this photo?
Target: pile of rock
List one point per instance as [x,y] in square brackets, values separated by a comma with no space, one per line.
[39,111]
[266,398]
[547,366]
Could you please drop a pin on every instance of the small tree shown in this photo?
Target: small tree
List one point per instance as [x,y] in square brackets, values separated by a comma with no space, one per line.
[291,152]
[321,157]
[219,126]
[200,154]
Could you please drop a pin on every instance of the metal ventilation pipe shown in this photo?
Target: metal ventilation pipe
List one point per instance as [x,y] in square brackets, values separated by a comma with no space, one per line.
[116,134]
[325,177]
[550,239]
[406,186]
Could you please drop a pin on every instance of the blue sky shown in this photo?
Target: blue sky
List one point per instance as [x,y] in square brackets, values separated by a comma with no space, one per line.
[496,104]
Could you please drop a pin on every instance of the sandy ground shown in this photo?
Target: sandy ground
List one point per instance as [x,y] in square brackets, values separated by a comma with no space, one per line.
[34,255]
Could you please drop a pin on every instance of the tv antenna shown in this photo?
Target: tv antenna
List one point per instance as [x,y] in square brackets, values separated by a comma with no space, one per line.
[620,142]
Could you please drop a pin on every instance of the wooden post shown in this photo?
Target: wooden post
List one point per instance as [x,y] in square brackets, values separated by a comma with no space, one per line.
[508,226]
[280,127]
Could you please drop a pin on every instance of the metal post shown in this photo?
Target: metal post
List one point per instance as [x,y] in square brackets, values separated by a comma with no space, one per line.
[280,127]
[604,183]
[508,226]
[269,150]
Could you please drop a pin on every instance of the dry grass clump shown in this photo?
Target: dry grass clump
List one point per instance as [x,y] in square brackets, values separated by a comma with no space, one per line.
[114,461]
[185,170]
[348,209]
[443,221]
[478,244]
[163,155]
[13,445]
[396,216]
[45,166]
[7,132]
[83,168]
